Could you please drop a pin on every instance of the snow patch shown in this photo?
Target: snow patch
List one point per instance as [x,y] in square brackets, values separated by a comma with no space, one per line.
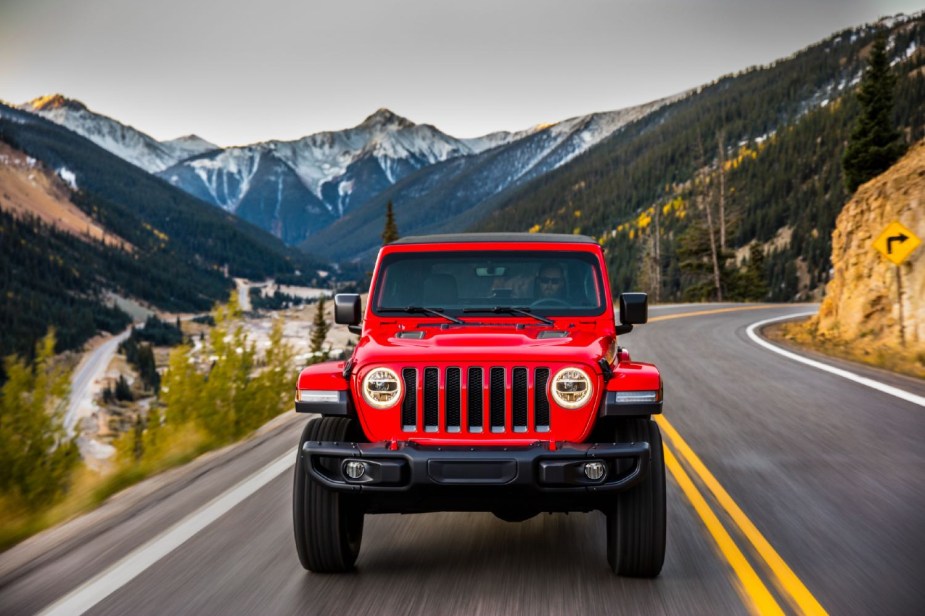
[68,176]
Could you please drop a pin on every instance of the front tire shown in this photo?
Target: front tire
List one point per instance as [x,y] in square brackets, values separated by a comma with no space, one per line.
[636,522]
[328,525]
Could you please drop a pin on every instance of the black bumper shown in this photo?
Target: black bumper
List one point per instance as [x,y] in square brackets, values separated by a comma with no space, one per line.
[534,469]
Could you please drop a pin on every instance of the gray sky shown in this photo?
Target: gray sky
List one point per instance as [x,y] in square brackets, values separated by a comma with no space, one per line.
[239,72]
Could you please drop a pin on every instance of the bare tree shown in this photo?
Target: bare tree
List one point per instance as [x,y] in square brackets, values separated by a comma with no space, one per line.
[722,192]
[658,254]
[706,203]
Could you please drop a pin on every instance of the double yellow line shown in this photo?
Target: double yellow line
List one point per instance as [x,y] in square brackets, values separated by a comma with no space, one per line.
[758,597]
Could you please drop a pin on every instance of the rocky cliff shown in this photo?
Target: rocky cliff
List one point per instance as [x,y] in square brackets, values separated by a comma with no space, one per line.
[862,304]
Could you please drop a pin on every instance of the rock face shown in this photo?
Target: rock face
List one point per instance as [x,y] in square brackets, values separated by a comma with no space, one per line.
[862,302]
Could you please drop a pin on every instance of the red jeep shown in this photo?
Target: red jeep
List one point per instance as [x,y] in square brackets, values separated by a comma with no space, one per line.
[487,377]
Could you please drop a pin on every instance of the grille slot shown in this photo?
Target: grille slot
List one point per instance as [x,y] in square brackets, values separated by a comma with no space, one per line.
[409,406]
[475,400]
[519,400]
[496,400]
[434,399]
[540,401]
[431,401]
[452,401]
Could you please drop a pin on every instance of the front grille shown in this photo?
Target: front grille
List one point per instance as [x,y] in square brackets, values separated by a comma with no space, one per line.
[442,399]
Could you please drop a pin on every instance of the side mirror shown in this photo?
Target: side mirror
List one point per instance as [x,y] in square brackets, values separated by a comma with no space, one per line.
[634,310]
[347,309]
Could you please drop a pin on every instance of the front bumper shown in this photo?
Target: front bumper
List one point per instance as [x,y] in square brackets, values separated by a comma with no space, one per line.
[537,468]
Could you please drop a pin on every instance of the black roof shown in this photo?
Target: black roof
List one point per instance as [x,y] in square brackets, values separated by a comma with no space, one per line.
[453,238]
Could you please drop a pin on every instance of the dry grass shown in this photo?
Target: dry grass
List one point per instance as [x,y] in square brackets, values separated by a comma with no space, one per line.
[90,489]
[28,189]
[803,334]
[18,523]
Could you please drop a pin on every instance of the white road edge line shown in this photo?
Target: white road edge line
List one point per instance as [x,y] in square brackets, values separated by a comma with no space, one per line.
[887,389]
[121,573]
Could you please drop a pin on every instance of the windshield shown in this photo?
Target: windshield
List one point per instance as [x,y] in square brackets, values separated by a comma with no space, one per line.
[470,282]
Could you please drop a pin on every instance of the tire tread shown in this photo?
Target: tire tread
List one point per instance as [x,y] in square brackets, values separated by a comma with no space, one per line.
[636,522]
[321,521]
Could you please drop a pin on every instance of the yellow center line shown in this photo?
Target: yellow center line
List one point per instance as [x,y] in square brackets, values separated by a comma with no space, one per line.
[762,600]
[786,578]
[701,313]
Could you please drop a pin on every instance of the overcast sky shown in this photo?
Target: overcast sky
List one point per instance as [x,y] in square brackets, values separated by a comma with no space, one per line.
[237,72]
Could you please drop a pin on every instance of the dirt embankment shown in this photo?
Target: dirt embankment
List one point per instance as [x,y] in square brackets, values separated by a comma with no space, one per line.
[863,315]
[28,189]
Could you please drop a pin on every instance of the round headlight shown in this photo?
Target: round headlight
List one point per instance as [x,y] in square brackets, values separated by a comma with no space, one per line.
[381,388]
[571,388]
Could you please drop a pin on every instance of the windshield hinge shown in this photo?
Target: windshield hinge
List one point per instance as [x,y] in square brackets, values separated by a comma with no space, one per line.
[605,369]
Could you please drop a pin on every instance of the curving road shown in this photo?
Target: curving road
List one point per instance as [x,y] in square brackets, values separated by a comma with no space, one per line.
[90,369]
[791,490]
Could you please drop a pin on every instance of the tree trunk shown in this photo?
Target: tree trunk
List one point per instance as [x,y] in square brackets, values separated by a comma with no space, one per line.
[722,194]
[658,256]
[707,203]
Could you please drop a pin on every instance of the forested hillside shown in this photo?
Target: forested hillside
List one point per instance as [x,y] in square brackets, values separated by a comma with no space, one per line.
[181,254]
[764,147]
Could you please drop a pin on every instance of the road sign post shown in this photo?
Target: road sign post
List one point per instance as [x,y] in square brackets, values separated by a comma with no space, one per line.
[896,243]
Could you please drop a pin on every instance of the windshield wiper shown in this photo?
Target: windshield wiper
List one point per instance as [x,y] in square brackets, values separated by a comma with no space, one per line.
[436,312]
[511,310]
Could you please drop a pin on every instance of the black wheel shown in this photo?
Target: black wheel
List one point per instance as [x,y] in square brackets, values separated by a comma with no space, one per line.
[636,522]
[328,525]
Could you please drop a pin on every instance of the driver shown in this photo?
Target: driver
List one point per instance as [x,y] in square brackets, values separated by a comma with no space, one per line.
[550,283]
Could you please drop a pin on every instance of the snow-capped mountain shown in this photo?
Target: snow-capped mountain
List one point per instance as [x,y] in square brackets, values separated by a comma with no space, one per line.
[124,141]
[257,185]
[341,168]
[450,196]
[187,146]
[296,188]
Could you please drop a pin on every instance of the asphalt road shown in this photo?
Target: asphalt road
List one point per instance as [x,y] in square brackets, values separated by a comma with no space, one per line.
[91,368]
[827,472]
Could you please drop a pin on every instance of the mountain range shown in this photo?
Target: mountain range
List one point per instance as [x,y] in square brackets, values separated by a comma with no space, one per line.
[124,141]
[80,225]
[762,146]
[294,189]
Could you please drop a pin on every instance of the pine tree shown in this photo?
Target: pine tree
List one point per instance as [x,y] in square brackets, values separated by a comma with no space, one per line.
[36,456]
[273,386]
[390,232]
[181,388]
[225,400]
[875,144]
[751,283]
[152,433]
[320,328]
[147,368]
[123,391]
[138,443]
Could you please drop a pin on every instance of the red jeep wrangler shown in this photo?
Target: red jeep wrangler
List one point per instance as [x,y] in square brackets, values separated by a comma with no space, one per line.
[487,378]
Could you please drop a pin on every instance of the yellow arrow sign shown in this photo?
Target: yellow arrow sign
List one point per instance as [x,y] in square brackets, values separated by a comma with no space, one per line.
[896,242]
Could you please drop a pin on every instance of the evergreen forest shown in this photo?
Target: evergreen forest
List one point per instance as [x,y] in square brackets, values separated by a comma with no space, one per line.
[764,148]
[184,254]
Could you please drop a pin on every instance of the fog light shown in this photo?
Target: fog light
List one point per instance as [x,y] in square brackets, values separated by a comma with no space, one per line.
[354,469]
[595,470]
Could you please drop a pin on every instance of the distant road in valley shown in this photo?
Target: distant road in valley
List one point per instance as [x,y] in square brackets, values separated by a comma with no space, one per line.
[90,369]
[814,480]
